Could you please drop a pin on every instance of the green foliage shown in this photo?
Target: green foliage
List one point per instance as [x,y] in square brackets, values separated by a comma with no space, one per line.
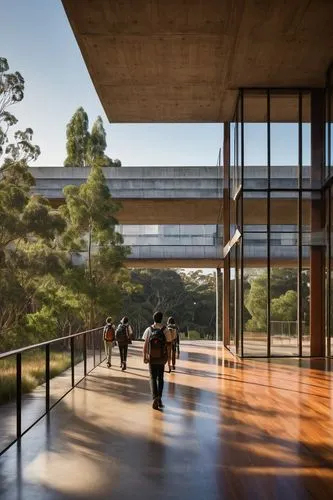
[199,310]
[90,213]
[42,294]
[28,231]
[22,148]
[33,373]
[43,324]
[193,335]
[77,139]
[284,308]
[89,207]
[256,303]
[29,226]
[12,92]
[283,298]
[189,297]
[97,142]
[97,146]
[84,148]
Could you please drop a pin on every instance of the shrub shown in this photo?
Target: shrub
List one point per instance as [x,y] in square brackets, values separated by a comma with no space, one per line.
[33,372]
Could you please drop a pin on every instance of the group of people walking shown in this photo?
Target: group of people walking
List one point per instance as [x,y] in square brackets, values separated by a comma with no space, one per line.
[121,335]
[161,347]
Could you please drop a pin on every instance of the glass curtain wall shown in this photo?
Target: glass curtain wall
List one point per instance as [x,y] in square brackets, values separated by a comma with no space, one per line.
[271,193]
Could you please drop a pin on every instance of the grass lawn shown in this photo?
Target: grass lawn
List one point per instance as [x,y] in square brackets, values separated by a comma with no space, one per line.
[33,372]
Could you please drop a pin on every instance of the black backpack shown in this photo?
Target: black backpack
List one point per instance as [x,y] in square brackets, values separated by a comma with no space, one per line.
[121,333]
[157,345]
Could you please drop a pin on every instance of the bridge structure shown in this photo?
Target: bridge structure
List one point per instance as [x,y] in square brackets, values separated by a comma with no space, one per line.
[173,216]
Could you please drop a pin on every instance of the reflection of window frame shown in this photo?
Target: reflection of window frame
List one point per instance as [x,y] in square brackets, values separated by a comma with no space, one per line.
[231,243]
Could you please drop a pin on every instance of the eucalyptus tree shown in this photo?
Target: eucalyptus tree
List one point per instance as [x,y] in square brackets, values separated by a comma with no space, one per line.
[78,137]
[28,224]
[12,87]
[97,146]
[85,148]
[91,215]
[97,143]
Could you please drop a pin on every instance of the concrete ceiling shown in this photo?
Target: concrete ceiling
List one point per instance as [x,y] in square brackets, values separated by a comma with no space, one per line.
[182,60]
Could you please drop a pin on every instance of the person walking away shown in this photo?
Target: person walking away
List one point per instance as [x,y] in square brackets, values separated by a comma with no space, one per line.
[171,335]
[155,354]
[123,335]
[109,336]
[173,347]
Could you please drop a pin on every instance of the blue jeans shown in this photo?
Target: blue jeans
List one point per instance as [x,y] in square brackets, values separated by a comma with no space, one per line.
[156,380]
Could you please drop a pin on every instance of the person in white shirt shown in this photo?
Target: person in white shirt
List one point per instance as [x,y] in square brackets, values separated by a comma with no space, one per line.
[109,336]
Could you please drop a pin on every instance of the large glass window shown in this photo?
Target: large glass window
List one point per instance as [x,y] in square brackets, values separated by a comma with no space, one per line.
[255,294]
[270,275]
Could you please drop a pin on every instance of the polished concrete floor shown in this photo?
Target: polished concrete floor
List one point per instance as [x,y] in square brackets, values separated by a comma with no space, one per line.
[33,403]
[230,430]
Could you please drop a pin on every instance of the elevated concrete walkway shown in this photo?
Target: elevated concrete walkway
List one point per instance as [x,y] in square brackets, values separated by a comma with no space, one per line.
[231,429]
[189,196]
[148,195]
[179,195]
[206,256]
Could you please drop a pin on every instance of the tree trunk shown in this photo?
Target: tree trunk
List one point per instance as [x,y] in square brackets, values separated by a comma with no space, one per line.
[91,311]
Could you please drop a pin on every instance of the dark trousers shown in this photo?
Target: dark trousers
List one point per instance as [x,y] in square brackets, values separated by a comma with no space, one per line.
[123,352]
[173,356]
[156,380]
[175,352]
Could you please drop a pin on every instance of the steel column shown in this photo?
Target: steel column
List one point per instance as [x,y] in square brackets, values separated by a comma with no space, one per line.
[317,254]
[219,301]
[226,232]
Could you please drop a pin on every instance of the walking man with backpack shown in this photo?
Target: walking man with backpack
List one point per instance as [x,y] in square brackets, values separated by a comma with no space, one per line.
[124,334]
[109,336]
[156,355]
[172,336]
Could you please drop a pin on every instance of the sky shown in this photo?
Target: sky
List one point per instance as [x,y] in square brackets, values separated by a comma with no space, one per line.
[37,40]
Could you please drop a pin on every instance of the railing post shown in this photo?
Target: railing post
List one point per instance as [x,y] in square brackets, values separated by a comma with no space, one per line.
[18,395]
[17,356]
[85,353]
[47,378]
[100,347]
[93,343]
[72,359]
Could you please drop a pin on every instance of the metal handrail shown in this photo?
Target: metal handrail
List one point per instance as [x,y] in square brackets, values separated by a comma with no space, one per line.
[46,345]
[42,344]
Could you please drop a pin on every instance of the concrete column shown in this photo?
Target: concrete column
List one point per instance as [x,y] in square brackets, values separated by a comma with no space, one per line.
[317,252]
[226,233]
[219,291]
